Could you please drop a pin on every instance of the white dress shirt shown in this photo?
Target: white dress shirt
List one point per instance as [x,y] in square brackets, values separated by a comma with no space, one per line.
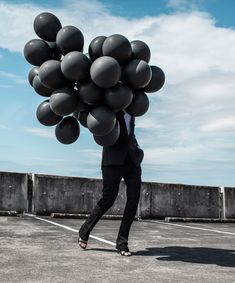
[127,118]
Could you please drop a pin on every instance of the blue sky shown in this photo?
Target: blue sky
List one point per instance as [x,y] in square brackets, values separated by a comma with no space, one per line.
[189,131]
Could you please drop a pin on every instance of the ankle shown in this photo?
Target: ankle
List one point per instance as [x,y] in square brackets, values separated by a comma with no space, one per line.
[83,236]
[122,247]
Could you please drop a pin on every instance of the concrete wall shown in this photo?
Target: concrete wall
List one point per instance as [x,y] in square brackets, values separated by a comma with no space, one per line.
[145,200]
[229,195]
[179,200]
[13,191]
[45,194]
[71,195]
[80,195]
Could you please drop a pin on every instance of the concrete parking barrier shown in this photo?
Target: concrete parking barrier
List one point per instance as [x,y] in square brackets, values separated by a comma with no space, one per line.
[13,191]
[47,194]
[71,195]
[229,195]
[177,200]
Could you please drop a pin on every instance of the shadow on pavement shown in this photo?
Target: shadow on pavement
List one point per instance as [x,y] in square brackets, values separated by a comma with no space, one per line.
[102,250]
[202,255]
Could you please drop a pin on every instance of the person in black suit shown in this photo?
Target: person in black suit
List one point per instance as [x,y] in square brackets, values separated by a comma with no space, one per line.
[121,160]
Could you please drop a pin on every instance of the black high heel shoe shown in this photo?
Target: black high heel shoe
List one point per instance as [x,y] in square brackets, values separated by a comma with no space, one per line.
[123,250]
[124,253]
[82,243]
[82,240]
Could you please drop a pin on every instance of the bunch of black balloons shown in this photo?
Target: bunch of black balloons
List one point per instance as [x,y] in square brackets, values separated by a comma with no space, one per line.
[88,88]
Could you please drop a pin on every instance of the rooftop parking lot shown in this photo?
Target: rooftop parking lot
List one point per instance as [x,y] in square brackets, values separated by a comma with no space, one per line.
[36,249]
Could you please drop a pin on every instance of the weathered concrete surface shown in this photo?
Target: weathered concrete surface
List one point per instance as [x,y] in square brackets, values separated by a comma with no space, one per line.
[179,200]
[82,216]
[8,213]
[37,252]
[71,195]
[13,191]
[145,200]
[79,195]
[229,194]
[61,194]
[64,194]
[199,220]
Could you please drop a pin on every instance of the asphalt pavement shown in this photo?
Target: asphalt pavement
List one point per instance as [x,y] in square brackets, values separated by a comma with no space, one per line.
[44,249]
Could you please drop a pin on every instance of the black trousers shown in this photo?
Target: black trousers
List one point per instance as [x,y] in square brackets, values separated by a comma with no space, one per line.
[112,176]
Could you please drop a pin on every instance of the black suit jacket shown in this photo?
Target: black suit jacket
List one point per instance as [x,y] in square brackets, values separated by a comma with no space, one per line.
[116,154]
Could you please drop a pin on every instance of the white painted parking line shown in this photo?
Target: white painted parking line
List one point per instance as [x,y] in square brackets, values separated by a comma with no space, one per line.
[56,224]
[72,229]
[192,227]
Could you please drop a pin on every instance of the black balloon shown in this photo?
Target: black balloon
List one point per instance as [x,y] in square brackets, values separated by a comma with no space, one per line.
[118,97]
[157,80]
[46,116]
[137,74]
[68,130]
[82,118]
[105,72]
[118,47]
[139,105]
[90,93]
[32,73]
[110,138]
[81,106]
[37,51]
[101,120]
[140,50]
[90,87]
[76,66]
[63,101]
[95,47]
[50,74]
[40,88]
[46,26]
[55,51]
[68,39]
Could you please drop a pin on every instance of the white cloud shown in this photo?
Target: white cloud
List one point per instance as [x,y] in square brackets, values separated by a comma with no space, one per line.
[180,5]
[48,159]
[220,125]
[13,77]
[92,153]
[171,155]
[45,133]
[176,3]
[147,123]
